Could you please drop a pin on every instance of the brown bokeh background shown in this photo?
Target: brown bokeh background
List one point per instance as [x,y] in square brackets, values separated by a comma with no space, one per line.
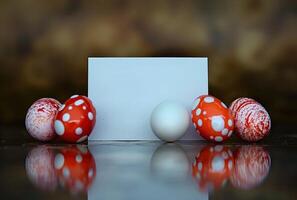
[251,45]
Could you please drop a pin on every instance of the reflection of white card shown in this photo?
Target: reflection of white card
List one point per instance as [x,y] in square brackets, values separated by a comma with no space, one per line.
[144,170]
[126,90]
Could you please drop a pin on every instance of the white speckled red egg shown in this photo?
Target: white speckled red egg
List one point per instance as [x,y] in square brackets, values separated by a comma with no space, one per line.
[212,119]
[75,119]
[252,121]
[40,119]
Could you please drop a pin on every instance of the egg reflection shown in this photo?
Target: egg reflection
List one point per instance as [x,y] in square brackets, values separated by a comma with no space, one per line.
[72,167]
[212,167]
[252,165]
[40,168]
[76,168]
[170,162]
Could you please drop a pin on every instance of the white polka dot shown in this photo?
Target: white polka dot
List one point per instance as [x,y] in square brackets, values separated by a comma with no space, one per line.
[195,125]
[82,139]
[90,116]
[230,133]
[90,173]
[62,107]
[74,96]
[59,161]
[211,149]
[225,131]
[217,123]
[66,117]
[218,138]
[218,148]
[230,164]
[66,172]
[84,107]
[70,108]
[230,122]
[200,123]
[208,99]
[78,158]
[204,112]
[217,164]
[198,111]
[59,127]
[224,105]
[78,131]
[211,137]
[79,102]
[196,102]
[200,165]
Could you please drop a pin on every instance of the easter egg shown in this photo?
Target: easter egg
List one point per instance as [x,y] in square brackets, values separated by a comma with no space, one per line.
[40,119]
[76,119]
[212,119]
[252,121]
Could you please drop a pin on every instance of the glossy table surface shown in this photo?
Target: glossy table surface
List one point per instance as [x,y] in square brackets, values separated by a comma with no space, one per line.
[149,170]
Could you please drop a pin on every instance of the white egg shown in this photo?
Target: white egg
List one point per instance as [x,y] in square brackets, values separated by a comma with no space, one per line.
[170,121]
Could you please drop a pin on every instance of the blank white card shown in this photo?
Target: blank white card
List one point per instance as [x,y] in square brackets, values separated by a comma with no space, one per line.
[126,90]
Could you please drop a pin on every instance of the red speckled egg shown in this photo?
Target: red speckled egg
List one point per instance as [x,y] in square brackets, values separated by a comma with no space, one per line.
[75,119]
[212,119]
[40,119]
[252,165]
[252,121]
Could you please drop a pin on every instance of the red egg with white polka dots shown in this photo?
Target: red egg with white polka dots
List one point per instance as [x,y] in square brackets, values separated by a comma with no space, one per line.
[75,119]
[212,119]
[252,121]
[212,167]
[76,168]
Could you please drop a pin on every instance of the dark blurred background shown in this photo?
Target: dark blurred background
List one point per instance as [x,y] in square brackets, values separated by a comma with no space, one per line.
[251,45]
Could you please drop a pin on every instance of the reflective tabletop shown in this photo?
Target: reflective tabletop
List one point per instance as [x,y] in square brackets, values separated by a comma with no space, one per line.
[149,170]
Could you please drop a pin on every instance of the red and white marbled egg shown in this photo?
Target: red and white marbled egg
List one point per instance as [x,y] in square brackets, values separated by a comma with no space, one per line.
[252,121]
[40,119]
